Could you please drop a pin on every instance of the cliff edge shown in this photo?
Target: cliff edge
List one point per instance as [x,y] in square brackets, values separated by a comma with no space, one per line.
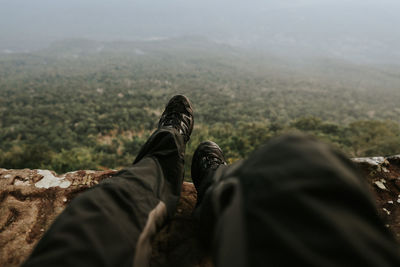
[31,199]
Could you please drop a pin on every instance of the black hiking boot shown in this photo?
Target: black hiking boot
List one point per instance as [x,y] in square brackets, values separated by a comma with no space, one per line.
[208,156]
[178,114]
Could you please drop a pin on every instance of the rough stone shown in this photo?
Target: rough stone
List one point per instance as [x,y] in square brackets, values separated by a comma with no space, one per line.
[31,199]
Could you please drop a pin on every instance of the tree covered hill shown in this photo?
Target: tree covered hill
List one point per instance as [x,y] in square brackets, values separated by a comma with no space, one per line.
[86,104]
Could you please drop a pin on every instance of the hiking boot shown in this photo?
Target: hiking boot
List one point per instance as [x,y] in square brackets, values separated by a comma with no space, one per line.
[208,156]
[178,114]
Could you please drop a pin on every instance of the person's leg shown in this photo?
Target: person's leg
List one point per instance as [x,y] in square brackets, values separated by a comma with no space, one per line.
[294,201]
[112,223]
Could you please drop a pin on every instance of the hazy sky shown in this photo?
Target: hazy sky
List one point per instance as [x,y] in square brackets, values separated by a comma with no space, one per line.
[327,26]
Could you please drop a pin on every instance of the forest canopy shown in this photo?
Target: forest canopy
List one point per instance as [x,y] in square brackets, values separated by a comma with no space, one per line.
[91,105]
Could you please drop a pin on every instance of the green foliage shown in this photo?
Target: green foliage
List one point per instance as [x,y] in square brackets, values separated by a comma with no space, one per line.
[70,109]
[75,159]
[26,156]
[373,137]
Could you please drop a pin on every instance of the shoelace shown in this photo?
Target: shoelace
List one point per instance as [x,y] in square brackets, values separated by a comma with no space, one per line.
[172,118]
[212,162]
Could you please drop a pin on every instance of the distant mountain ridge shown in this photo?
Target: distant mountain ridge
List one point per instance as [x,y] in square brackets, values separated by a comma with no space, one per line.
[358,31]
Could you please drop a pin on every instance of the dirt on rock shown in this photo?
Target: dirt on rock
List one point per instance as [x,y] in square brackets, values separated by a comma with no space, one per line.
[31,199]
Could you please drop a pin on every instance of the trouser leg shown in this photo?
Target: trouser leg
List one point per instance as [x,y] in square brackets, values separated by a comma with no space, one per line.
[112,223]
[294,202]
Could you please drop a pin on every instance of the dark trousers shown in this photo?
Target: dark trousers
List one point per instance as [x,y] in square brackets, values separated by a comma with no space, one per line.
[292,202]
[112,223]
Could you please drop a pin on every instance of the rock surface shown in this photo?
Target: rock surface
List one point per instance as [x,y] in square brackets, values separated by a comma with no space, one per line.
[383,177]
[31,199]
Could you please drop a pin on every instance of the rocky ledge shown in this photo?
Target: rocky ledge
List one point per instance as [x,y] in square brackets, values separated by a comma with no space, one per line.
[31,199]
